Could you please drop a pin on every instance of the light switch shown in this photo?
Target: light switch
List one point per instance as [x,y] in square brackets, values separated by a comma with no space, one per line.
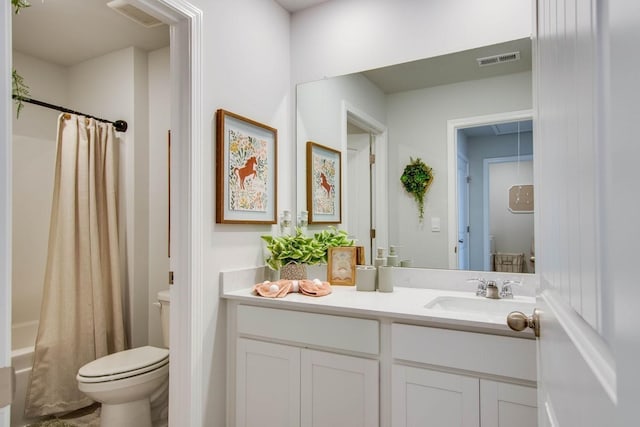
[435,223]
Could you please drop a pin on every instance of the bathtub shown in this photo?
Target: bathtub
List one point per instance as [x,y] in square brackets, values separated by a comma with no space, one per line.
[23,339]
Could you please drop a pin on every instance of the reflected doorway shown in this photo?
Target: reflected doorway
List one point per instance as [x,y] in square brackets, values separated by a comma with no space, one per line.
[486,225]
[359,187]
[365,198]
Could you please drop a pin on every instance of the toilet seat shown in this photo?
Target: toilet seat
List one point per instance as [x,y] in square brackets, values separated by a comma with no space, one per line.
[124,364]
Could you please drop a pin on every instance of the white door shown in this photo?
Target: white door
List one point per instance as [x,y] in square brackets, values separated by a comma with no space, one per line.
[338,390]
[359,191]
[580,194]
[463,213]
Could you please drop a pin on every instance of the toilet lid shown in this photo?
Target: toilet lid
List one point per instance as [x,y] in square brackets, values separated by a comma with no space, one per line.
[126,363]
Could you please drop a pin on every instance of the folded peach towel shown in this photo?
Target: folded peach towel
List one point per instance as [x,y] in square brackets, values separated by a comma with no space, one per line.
[279,289]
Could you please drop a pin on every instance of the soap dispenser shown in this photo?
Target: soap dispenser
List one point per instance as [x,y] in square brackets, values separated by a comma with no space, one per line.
[392,259]
[380,260]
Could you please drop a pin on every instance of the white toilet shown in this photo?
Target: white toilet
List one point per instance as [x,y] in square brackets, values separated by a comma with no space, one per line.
[124,382]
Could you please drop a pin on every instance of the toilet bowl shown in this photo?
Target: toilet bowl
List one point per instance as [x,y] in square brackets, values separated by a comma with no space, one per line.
[124,382]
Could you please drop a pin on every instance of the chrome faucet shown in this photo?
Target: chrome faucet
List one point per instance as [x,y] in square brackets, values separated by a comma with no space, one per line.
[481,290]
[507,290]
[489,288]
[492,290]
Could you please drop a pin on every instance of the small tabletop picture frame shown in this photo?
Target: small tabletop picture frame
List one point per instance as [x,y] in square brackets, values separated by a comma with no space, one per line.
[341,265]
[324,184]
[246,170]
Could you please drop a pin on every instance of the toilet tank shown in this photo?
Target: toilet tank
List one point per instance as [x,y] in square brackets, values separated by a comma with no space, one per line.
[163,299]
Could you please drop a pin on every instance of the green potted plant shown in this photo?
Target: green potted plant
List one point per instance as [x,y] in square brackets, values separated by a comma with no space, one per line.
[416,179]
[291,254]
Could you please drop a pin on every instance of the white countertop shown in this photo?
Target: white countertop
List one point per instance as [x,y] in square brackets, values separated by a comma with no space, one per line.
[405,304]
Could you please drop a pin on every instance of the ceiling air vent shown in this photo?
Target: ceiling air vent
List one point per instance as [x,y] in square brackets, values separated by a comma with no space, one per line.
[133,13]
[498,59]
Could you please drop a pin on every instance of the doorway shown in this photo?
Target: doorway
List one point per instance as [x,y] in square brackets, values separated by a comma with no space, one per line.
[463,211]
[365,142]
[359,188]
[471,141]
[186,188]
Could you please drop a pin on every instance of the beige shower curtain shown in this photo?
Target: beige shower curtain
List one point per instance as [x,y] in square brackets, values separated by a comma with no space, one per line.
[81,316]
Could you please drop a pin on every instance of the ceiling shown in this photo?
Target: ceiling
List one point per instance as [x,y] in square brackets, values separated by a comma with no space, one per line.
[499,129]
[296,5]
[451,68]
[72,31]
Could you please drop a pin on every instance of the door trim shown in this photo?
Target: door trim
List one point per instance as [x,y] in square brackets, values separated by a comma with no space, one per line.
[5,198]
[379,195]
[187,191]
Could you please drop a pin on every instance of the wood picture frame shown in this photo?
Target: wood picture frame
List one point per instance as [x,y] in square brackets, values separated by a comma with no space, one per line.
[341,265]
[246,170]
[324,184]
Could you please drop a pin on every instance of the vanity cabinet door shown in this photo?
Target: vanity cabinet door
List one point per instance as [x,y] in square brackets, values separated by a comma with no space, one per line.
[338,390]
[426,398]
[267,384]
[507,405]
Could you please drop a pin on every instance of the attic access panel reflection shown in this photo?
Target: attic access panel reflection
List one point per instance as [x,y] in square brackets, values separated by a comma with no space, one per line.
[521,198]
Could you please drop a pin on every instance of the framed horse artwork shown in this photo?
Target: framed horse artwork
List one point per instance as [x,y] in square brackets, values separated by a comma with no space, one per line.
[246,170]
[324,184]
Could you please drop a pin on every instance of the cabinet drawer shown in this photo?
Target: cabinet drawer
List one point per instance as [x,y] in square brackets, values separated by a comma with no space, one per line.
[491,354]
[337,332]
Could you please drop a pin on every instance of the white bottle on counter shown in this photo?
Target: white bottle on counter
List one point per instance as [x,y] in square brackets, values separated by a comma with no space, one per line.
[392,259]
[380,259]
[385,279]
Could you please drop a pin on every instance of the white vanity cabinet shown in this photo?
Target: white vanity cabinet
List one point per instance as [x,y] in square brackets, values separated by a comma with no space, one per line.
[504,404]
[447,378]
[284,383]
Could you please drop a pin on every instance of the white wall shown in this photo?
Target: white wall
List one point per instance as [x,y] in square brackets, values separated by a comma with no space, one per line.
[245,69]
[319,118]
[417,123]
[159,123]
[34,155]
[513,232]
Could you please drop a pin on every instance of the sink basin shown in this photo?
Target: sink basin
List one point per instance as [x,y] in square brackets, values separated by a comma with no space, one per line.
[479,305]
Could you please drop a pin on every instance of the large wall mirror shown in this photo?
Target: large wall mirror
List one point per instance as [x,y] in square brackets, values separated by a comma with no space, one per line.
[468,116]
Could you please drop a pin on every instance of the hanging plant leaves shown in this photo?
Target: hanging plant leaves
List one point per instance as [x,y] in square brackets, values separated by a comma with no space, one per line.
[416,179]
[19,88]
[19,4]
[19,91]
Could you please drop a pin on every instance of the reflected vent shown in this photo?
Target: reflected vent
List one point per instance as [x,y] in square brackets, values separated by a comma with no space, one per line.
[498,59]
[133,13]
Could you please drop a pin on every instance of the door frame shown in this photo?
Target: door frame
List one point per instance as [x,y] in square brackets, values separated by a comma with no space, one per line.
[379,195]
[460,185]
[187,195]
[187,323]
[452,171]
[6,111]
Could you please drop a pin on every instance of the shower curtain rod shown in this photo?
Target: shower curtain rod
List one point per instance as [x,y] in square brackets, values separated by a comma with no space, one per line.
[119,125]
